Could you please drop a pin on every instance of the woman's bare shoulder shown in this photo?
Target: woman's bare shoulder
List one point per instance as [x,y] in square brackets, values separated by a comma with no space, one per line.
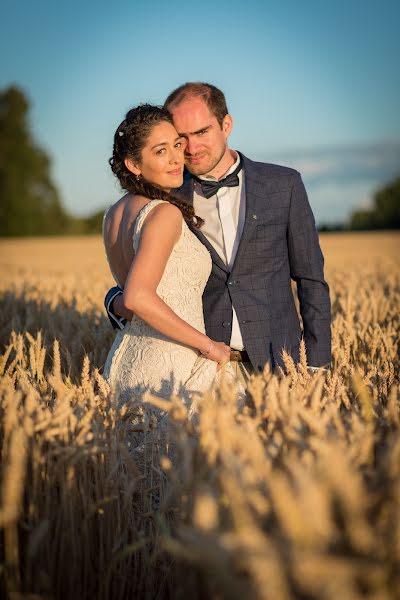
[124,211]
[115,211]
[165,216]
[163,222]
[117,218]
[163,210]
[120,218]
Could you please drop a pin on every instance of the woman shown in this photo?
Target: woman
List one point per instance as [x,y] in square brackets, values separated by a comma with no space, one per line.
[161,265]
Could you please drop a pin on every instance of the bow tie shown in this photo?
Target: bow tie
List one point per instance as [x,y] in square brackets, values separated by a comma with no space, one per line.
[211,187]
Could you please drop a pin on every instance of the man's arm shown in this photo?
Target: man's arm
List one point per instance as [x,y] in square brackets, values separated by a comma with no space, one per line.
[307,269]
[114,306]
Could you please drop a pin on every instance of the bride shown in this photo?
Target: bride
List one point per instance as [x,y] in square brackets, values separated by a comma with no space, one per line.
[161,265]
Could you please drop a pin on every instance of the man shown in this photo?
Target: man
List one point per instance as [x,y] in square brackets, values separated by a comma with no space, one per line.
[260,231]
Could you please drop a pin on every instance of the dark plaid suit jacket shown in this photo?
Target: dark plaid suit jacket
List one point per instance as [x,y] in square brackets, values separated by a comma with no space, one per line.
[279,244]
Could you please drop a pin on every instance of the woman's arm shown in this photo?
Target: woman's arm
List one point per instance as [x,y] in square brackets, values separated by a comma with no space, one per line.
[160,232]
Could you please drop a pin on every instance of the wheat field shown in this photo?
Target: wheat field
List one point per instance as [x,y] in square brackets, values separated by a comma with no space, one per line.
[295,495]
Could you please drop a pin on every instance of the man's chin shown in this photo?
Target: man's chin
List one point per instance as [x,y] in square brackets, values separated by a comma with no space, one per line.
[204,166]
[197,168]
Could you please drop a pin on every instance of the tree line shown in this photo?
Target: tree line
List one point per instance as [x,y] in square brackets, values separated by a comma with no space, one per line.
[29,200]
[385,213]
[30,203]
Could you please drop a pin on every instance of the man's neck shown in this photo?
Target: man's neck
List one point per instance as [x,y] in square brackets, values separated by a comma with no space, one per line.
[227,160]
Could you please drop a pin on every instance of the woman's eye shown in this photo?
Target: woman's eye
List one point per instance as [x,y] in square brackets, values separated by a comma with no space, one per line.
[160,151]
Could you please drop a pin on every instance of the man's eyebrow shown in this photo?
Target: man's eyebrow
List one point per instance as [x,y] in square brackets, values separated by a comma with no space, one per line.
[198,131]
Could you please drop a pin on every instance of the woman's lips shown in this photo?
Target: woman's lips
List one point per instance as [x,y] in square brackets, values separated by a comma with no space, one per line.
[175,172]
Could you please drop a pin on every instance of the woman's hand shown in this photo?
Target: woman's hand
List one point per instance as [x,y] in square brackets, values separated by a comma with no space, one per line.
[219,352]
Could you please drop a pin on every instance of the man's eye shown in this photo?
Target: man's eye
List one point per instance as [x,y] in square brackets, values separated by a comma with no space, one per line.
[202,132]
[178,144]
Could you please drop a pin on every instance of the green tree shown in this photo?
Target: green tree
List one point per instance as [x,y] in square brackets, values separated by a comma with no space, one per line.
[386,211]
[29,201]
[387,206]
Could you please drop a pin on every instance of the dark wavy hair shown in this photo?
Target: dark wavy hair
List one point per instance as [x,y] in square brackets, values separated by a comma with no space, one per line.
[129,140]
[210,94]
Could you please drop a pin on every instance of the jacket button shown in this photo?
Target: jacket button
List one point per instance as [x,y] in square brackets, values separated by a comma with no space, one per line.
[226,324]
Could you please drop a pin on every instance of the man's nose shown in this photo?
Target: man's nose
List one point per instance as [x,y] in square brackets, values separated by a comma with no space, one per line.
[192,146]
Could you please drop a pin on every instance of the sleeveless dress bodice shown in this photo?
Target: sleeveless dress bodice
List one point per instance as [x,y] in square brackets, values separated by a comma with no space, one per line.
[142,359]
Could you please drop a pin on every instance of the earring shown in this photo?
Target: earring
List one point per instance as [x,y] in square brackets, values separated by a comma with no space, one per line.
[137,177]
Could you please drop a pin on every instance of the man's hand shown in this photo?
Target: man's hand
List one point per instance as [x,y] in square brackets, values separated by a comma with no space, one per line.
[116,321]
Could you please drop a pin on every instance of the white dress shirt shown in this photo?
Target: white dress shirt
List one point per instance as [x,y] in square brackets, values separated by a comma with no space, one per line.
[224,215]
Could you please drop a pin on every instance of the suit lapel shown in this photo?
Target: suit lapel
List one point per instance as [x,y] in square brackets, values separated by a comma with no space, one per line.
[250,223]
[214,254]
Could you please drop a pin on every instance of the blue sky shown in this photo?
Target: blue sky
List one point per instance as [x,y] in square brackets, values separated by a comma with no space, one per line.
[314,85]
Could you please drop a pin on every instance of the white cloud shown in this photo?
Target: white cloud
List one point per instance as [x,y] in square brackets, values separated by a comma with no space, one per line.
[340,180]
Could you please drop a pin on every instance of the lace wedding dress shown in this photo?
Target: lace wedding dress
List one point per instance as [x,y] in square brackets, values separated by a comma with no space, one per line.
[142,359]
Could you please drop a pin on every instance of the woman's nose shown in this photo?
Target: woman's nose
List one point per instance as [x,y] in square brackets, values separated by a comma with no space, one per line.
[176,156]
[173,158]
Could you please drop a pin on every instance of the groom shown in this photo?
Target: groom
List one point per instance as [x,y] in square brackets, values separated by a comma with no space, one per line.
[260,231]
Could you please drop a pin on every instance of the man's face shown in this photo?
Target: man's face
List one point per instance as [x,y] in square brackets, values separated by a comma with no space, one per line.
[206,139]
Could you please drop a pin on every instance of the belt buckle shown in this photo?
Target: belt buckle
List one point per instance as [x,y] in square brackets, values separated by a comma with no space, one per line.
[236,355]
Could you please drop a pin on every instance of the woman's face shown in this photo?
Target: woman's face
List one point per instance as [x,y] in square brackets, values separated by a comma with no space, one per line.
[162,158]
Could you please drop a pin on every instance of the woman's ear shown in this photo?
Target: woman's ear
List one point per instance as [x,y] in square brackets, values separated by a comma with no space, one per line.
[132,167]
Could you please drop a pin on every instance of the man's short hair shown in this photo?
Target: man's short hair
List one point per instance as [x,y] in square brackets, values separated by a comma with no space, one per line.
[211,95]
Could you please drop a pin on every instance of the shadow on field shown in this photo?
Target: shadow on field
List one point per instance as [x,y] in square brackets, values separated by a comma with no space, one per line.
[78,333]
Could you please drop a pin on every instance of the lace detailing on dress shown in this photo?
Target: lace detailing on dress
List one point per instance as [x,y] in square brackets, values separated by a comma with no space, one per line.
[142,359]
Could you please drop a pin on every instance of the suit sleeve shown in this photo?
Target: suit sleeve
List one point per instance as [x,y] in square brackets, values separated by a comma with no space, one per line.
[307,270]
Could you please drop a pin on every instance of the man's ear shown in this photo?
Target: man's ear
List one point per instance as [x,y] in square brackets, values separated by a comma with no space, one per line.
[132,166]
[227,124]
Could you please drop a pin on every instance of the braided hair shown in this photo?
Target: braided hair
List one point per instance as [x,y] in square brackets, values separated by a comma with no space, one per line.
[129,140]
